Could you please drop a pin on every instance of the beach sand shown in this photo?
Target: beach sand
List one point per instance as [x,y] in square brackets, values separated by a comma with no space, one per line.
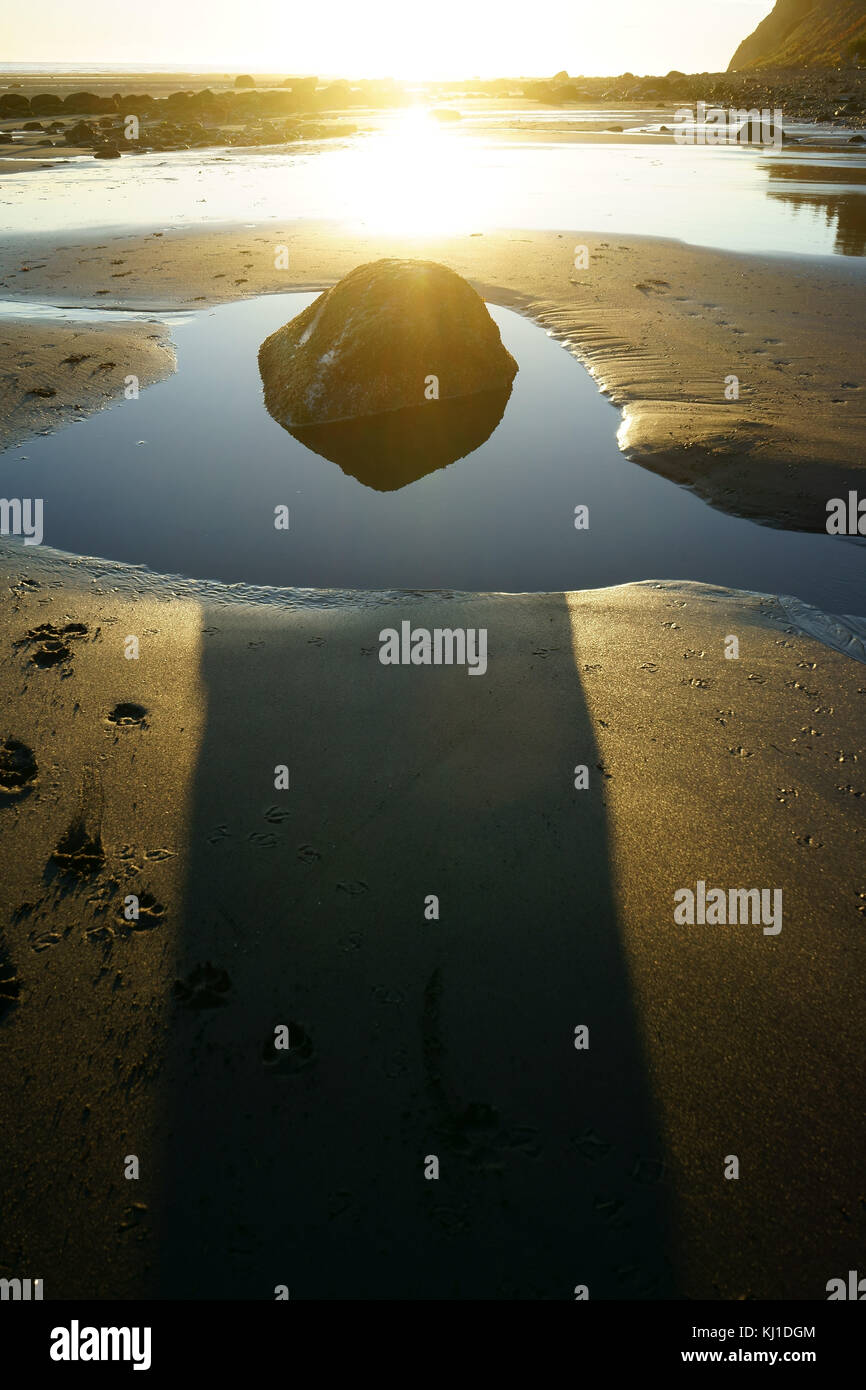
[58,372]
[453,1038]
[413,1037]
[661,325]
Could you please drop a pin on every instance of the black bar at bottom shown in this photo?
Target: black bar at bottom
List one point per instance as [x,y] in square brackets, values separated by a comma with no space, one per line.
[223,1338]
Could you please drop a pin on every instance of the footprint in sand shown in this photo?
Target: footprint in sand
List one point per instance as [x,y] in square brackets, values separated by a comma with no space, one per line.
[133,1216]
[10,985]
[79,853]
[287,1061]
[263,839]
[150,914]
[44,941]
[648,1171]
[125,715]
[475,1131]
[51,643]
[652,286]
[17,771]
[613,1210]
[204,988]
[591,1146]
[354,888]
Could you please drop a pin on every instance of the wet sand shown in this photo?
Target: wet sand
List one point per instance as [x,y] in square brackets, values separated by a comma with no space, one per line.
[410,1037]
[58,373]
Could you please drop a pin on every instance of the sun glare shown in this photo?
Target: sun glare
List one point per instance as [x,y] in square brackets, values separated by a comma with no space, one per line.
[419,178]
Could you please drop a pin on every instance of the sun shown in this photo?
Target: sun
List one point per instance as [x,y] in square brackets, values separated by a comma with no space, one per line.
[419,177]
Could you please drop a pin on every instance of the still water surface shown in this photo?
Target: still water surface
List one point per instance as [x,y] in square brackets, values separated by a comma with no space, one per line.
[185,480]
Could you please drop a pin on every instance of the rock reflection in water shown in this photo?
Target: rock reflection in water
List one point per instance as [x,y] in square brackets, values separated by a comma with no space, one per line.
[388,451]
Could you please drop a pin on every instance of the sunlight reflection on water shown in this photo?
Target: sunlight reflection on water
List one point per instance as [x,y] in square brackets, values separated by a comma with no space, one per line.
[417,176]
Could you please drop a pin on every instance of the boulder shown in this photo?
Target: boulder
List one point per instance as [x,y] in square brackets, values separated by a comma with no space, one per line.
[81,133]
[373,342]
[46,104]
[81,103]
[11,105]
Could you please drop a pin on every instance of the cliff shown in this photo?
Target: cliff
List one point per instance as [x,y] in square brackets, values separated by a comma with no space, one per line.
[803,33]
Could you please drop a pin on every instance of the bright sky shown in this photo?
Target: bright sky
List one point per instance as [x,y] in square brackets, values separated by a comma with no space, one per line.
[386,38]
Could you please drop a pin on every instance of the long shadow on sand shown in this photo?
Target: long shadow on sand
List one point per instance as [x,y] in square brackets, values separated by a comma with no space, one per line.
[409,1038]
